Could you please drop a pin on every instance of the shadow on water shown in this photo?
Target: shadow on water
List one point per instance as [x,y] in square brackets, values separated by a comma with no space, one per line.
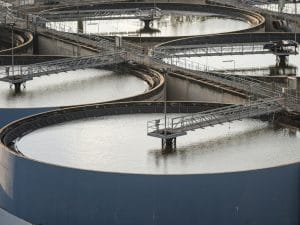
[214,144]
[148,30]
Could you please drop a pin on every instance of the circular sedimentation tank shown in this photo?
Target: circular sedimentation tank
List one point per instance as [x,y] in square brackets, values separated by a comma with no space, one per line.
[177,20]
[74,88]
[120,144]
[133,181]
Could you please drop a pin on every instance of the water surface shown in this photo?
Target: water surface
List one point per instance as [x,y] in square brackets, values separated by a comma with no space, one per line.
[172,23]
[72,88]
[120,144]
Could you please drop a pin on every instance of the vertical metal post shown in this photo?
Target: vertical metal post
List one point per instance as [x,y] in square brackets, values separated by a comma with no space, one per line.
[12,48]
[295,20]
[165,102]
[77,40]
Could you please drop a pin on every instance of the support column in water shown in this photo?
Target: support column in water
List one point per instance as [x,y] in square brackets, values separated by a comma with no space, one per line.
[282,60]
[147,24]
[168,145]
[17,87]
[80,25]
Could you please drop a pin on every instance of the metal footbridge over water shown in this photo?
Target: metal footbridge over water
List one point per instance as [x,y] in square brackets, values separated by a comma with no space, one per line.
[220,50]
[171,128]
[142,13]
[28,72]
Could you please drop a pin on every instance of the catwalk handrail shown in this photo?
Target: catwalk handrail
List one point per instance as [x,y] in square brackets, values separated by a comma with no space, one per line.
[28,72]
[130,13]
[180,125]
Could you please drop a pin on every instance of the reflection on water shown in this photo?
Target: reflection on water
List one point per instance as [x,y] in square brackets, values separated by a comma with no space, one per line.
[120,144]
[171,24]
[290,8]
[71,88]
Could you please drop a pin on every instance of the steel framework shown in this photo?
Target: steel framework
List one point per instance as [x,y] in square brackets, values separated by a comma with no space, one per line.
[143,13]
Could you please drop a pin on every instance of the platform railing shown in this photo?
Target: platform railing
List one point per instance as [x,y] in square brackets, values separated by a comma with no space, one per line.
[180,125]
[213,50]
[105,14]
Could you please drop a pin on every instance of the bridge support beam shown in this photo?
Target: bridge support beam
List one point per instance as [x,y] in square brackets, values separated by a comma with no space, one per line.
[147,24]
[282,60]
[168,145]
[17,87]
[80,25]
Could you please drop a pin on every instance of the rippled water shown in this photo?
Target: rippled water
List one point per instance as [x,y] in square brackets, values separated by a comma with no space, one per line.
[120,144]
[172,24]
[73,87]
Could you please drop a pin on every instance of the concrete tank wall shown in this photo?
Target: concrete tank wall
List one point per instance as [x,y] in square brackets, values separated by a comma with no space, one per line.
[8,115]
[180,89]
[54,46]
[48,194]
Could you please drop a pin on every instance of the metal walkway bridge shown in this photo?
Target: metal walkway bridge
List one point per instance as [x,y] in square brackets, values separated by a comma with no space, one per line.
[261,71]
[142,13]
[214,50]
[171,128]
[28,72]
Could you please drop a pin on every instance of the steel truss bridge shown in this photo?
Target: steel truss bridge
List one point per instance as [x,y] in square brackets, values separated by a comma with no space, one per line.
[212,50]
[178,126]
[216,50]
[143,13]
[261,71]
[28,72]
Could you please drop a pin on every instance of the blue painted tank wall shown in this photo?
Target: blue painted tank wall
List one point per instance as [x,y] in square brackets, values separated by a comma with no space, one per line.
[47,194]
[8,115]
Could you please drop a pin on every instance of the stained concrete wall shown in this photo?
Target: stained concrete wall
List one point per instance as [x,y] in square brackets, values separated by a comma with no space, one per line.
[180,89]
[53,46]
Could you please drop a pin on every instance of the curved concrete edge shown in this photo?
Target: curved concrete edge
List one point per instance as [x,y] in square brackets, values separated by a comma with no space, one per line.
[48,194]
[194,79]
[26,125]
[22,48]
[155,92]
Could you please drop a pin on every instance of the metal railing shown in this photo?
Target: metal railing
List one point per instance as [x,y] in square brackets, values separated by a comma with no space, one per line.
[143,13]
[28,72]
[212,50]
[178,126]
